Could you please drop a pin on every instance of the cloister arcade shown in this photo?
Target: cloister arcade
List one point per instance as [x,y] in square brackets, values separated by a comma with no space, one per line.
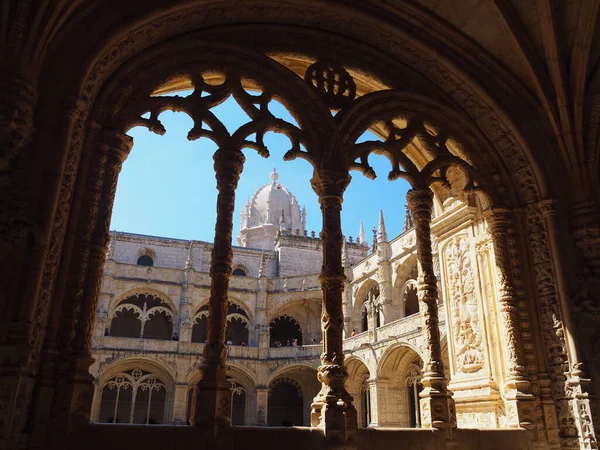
[491,341]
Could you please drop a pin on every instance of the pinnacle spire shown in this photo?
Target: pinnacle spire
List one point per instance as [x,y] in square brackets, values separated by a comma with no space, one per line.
[381,232]
[262,267]
[361,235]
[189,262]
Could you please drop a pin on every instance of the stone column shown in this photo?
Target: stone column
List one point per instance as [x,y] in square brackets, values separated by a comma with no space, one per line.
[332,408]
[518,385]
[437,405]
[378,394]
[213,405]
[579,382]
[262,403]
[74,391]
[180,403]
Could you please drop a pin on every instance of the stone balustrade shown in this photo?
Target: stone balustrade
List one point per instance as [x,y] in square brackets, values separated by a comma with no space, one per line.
[301,352]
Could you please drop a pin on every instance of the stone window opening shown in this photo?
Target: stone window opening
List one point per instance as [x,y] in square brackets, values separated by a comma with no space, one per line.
[284,331]
[135,397]
[415,387]
[145,260]
[239,272]
[238,325]
[142,316]
[286,402]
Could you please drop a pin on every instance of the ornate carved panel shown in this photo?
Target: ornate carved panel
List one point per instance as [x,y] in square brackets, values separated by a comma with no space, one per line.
[465,314]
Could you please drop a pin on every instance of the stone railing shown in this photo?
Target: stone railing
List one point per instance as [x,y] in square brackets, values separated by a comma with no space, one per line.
[126,343]
[356,342]
[301,351]
[404,328]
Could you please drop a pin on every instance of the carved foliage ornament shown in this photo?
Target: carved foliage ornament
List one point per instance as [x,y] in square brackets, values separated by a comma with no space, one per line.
[465,319]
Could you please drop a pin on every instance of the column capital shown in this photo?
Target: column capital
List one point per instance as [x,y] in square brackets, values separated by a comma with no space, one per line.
[330,184]
[547,207]
[115,143]
[419,201]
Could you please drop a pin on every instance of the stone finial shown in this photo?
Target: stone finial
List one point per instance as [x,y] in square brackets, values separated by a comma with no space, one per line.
[189,262]
[381,232]
[361,235]
[408,220]
[274,175]
[374,248]
[263,264]
[282,220]
[111,247]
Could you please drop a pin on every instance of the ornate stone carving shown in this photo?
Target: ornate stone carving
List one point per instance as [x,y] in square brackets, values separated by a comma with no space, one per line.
[437,405]
[468,353]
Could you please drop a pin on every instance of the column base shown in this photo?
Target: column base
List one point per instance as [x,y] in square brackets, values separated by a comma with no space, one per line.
[213,398]
[437,405]
[332,408]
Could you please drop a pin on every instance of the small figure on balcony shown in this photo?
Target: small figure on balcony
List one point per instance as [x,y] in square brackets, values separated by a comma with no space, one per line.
[294,342]
[353,333]
[243,344]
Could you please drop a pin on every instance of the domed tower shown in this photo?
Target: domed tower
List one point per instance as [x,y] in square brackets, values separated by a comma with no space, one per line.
[271,208]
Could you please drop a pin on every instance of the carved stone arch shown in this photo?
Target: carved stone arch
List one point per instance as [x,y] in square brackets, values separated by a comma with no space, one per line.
[164,298]
[147,251]
[408,355]
[359,300]
[166,373]
[283,370]
[193,56]
[247,378]
[244,267]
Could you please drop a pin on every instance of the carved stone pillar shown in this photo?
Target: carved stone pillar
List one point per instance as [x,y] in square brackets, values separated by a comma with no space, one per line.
[74,390]
[437,405]
[520,402]
[332,408]
[579,385]
[213,404]
[262,406]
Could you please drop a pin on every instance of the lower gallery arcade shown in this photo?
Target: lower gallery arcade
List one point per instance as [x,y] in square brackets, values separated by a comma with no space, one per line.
[460,332]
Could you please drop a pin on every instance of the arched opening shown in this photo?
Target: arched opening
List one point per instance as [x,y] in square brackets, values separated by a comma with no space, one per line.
[134,396]
[200,325]
[145,260]
[118,120]
[399,382]
[237,325]
[285,331]
[238,404]
[142,315]
[237,332]
[358,387]
[126,323]
[286,402]
[411,300]
[239,272]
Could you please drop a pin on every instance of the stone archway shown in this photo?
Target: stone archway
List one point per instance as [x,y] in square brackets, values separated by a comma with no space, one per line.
[398,382]
[81,306]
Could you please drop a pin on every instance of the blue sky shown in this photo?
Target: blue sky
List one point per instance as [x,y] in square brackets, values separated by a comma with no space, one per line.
[167,186]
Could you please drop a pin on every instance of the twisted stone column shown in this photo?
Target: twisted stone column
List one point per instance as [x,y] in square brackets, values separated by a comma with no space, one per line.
[521,408]
[213,404]
[437,405]
[332,408]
